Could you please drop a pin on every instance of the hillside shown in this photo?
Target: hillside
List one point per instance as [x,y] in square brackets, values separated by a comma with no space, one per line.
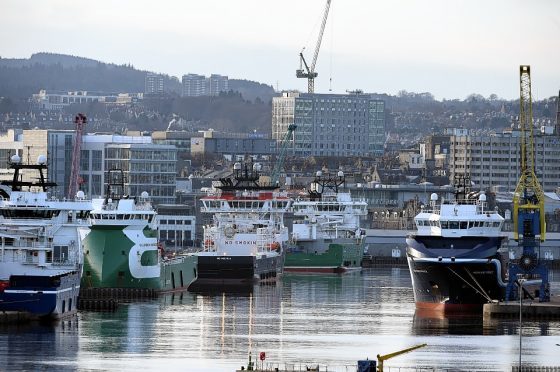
[20,78]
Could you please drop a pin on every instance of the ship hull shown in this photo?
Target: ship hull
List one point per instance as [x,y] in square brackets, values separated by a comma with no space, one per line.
[324,257]
[455,274]
[464,285]
[45,297]
[229,270]
[128,258]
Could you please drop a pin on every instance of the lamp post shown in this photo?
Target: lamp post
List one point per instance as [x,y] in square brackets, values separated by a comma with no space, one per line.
[521,282]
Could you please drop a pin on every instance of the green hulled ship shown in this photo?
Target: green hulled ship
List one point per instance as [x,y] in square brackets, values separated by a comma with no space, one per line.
[121,248]
[328,237]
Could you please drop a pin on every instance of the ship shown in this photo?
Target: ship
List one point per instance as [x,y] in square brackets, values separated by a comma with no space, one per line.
[245,244]
[327,238]
[454,258]
[121,249]
[40,249]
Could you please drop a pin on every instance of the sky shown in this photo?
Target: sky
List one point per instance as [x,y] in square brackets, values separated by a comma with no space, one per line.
[451,48]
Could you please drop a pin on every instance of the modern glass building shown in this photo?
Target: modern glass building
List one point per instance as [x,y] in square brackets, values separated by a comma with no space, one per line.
[330,124]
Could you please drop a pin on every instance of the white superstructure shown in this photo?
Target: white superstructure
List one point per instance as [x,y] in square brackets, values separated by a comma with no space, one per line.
[330,214]
[459,218]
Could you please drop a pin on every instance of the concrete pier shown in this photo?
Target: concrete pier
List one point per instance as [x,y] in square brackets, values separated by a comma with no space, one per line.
[531,309]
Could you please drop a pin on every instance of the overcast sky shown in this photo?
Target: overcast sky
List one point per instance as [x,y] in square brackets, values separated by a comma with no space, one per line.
[448,47]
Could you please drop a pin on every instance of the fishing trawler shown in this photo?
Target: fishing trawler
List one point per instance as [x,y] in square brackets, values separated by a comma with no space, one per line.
[328,238]
[121,246]
[246,242]
[454,257]
[41,256]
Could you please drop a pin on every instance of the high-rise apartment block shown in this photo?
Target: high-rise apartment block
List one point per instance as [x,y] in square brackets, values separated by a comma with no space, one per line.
[154,83]
[198,85]
[194,85]
[494,160]
[217,84]
[330,124]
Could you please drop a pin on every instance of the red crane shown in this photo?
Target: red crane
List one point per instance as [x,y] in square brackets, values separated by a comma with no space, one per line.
[80,120]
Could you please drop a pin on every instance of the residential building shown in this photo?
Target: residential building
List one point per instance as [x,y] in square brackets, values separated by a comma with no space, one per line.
[217,84]
[330,124]
[194,85]
[154,83]
[494,160]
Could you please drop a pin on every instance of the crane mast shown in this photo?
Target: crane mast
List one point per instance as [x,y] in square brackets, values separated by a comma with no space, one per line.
[309,72]
[275,177]
[80,120]
[529,226]
[528,199]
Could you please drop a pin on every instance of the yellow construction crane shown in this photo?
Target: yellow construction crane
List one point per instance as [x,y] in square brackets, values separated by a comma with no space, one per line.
[309,72]
[382,358]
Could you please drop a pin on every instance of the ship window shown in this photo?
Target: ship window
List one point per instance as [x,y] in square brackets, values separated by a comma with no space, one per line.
[60,253]
[487,224]
[444,224]
[464,224]
[496,224]
[453,224]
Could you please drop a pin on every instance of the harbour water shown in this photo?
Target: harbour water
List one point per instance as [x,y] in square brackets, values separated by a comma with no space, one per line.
[303,320]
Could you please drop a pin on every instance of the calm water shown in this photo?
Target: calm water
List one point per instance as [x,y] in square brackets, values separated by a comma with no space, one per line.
[333,320]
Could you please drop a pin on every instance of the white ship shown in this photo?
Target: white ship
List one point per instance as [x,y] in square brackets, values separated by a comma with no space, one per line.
[327,237]
[40,253]
[454,257]
[246,242]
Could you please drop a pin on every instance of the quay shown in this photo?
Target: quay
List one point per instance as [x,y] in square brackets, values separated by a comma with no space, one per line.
[530,309]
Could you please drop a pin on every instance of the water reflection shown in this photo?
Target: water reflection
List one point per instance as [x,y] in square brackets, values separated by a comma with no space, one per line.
[39,346]
[327,319]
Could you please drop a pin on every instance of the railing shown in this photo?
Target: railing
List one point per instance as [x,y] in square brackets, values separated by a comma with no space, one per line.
[33,260]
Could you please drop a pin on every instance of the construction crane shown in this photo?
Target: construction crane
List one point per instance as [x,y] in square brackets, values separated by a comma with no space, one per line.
[80,120]
[283,148]
[528,200]
[309,71]
[382,358]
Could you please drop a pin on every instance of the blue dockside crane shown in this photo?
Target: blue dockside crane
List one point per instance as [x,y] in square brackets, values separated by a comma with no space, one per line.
[528,203]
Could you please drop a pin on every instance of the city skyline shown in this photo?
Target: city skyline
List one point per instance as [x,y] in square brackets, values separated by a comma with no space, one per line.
[450,50]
